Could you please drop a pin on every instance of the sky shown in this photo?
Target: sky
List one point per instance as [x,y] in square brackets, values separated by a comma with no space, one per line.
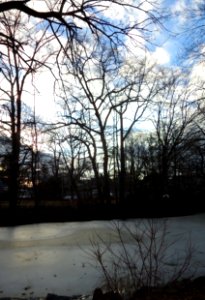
[160,54]
[167,47]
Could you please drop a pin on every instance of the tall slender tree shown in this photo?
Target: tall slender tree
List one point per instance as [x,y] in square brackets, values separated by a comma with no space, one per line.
[174,115]
[19,60]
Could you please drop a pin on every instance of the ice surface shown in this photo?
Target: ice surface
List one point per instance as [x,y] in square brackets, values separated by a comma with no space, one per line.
[52,258]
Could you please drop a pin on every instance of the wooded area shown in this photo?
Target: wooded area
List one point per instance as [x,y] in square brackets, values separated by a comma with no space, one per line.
[106,85]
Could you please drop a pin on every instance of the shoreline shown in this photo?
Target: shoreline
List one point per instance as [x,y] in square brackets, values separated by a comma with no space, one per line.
[183,289]
[23,216]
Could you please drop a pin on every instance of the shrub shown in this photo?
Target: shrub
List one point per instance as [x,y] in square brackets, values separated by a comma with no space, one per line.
[140,254]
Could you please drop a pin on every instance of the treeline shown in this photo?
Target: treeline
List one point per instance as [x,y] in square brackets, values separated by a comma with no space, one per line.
[163,171]
[128,131]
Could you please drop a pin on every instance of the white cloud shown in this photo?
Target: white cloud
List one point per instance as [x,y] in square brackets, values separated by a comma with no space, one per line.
[184,9]
[41,5]
[43,95]
[178,6]
[197,77]
[113,11]
[179,9]
[160,56]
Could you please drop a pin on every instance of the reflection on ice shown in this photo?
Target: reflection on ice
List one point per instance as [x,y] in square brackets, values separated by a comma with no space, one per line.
[51,258]
[36,231]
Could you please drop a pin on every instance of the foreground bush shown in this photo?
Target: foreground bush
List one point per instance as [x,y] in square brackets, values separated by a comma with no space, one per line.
[140,255]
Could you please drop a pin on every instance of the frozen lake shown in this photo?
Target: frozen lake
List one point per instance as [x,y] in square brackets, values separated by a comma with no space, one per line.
[51,258]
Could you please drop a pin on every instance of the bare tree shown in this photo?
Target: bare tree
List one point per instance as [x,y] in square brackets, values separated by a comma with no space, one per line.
[106,101]
[32,128]
[68,23]
[87,106]
[129,105]
[94,15]
[18,62]
[174,115]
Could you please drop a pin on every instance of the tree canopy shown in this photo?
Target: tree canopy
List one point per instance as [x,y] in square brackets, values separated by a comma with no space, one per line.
[92,13]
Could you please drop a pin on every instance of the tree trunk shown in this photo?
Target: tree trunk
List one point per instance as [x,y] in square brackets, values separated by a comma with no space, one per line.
[122,164]
[14,172]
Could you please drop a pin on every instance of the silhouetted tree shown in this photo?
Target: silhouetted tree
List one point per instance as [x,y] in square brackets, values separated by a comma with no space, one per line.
[174,116]
[69,18]
[129,104]
[105,102]
[18,62]
[70,25]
